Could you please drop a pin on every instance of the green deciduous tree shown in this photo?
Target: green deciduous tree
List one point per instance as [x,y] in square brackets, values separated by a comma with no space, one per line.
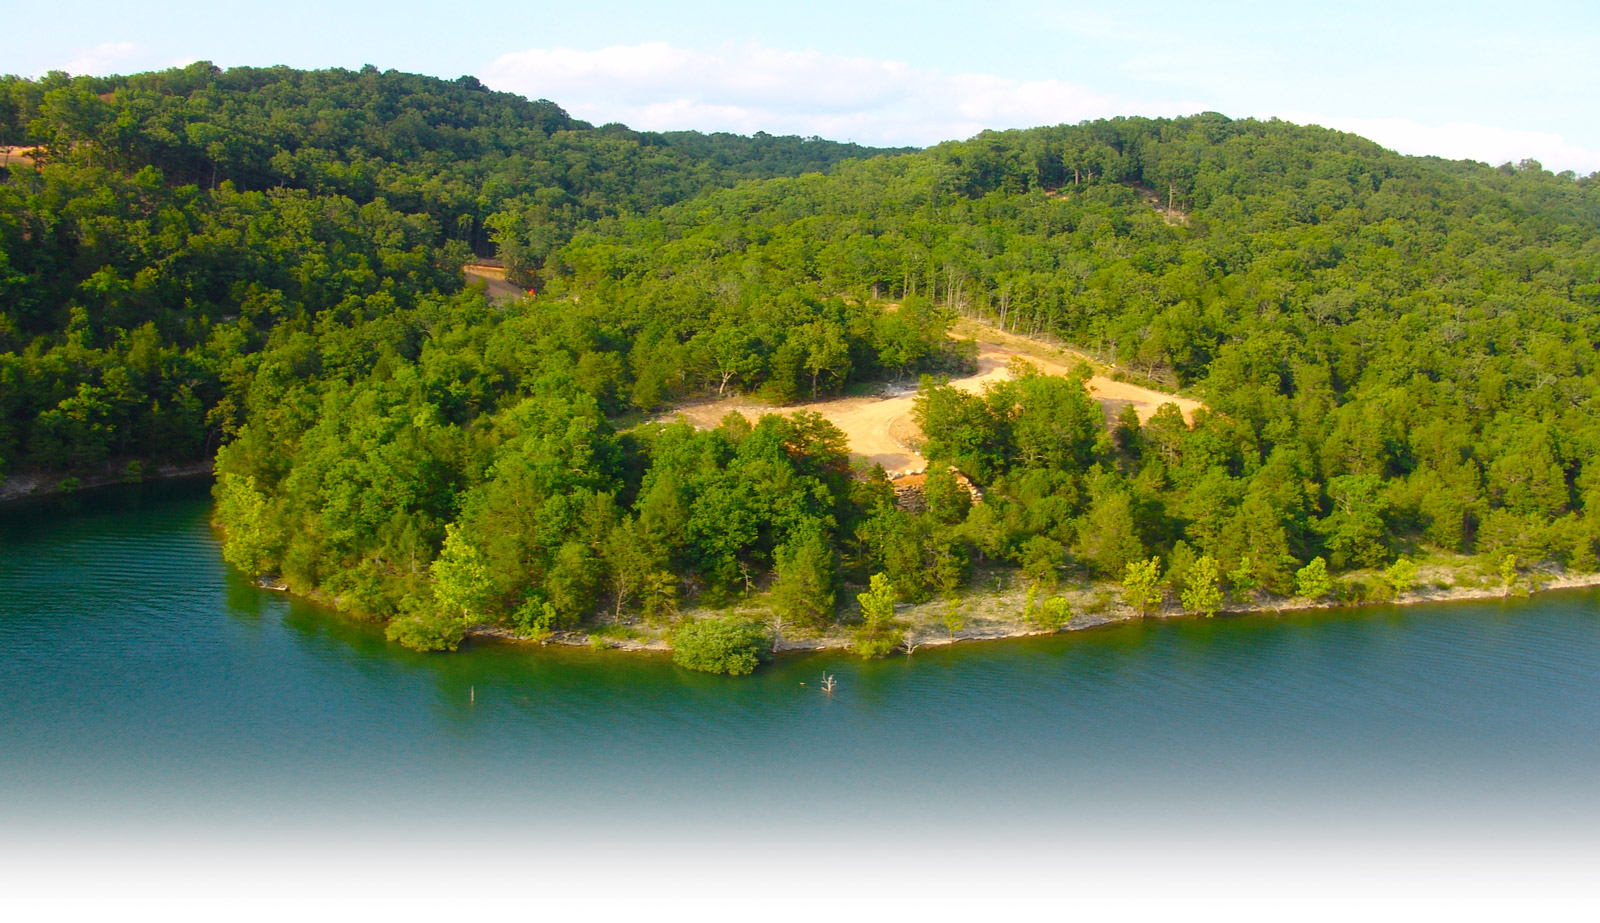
[252,541]
[1508,574]
[461,584]
[1312,581]
[879,632]
[1243,579]
[1401,575]
[1201,594]
[1141,585]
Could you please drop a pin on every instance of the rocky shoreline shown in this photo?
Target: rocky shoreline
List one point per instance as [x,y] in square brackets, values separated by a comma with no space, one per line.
[21,487]
[996,616]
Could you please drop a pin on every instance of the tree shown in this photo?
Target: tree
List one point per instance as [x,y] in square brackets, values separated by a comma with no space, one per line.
[1200,592]
[1243,579]
[1354,531]
[1108,538]
[1312,581]
[1041,556]
[953,620]
[76,432]
[824,349]
[733,353]
[730,645]
[1141,585]
[461,584]
[803,594]
[879,632]
[1056,422]
[948,501]
[963,429]
[1508,574]
[1261,527]
[949,571]
[639,571]
[573,582]
[252,539]
[1401,576]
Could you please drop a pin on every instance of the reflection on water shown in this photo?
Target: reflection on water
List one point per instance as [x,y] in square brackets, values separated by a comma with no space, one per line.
[138,669]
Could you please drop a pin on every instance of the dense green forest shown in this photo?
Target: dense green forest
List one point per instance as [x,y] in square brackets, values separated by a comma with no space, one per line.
[179,218]
[1396,353]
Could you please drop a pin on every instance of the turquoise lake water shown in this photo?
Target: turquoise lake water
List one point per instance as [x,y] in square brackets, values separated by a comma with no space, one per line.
[138,676]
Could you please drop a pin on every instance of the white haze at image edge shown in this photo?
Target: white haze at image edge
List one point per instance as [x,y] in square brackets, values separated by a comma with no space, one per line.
[749,87]
[1243,871]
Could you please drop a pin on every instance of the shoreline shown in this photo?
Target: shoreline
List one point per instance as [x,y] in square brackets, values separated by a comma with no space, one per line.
[19,488]
[926,632]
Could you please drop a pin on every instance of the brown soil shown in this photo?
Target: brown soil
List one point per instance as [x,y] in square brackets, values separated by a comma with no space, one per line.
[494,282]
[881,429]
[16,156]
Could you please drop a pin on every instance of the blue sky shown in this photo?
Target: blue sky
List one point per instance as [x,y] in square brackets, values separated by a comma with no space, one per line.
[1493,82]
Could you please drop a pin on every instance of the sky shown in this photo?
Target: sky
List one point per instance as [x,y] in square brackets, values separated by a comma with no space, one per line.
[1492,82]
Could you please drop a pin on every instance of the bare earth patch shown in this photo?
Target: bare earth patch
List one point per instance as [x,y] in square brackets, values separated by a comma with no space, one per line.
[12,156]
[494,282]
[881,429]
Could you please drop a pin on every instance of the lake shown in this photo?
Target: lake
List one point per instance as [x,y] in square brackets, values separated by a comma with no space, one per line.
[149,694]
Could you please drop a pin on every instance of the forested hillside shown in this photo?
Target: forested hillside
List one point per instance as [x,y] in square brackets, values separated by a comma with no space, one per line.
[178,219]
[1397,353]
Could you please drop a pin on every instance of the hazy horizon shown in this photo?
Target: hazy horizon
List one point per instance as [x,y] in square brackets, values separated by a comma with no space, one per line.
[1458,81]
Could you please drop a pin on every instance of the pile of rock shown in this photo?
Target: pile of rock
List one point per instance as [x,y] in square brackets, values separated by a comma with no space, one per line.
[909,494]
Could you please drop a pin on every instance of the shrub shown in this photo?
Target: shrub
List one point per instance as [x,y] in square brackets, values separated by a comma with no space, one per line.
[729,645]
[1053,614]
[535,619]
[954,621]
[427,632]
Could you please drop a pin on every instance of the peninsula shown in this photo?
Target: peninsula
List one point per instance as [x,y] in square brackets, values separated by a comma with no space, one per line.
[464,363]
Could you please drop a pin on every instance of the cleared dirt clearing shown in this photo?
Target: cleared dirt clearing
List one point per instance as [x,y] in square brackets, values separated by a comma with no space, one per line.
[881,429]
[16,156]
[494,282]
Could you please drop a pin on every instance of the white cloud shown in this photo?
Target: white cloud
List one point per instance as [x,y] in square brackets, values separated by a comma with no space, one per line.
[747,88]
[751,87]
[104,59]
[1464,141]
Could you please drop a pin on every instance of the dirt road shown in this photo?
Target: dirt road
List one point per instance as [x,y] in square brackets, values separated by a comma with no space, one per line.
[16,156]
[494,282]
[881,429]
